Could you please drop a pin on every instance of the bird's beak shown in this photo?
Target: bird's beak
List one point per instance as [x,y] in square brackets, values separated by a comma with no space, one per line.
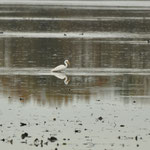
[68,63]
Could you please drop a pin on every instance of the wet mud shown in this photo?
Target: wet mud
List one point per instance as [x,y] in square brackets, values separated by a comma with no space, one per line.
[105,102]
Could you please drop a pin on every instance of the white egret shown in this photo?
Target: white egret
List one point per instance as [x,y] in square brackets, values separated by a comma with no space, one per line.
[61,67]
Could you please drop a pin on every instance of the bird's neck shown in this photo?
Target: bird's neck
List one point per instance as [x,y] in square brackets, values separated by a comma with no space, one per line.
[66,64]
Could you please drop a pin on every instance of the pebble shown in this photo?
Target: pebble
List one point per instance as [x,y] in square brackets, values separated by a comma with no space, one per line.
[100,118]
[77,131]
[136,138]
[22,124]
[52,139]
[36,142]
[24,135]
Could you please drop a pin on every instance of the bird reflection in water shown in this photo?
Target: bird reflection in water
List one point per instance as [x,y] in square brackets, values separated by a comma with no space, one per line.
[61,76]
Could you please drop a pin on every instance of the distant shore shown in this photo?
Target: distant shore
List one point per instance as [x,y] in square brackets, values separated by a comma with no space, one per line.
[82,3]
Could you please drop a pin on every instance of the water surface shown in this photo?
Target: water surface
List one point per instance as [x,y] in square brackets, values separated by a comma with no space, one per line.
[102,101]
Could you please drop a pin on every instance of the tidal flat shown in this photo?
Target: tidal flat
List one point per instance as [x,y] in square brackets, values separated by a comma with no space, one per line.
[105,103]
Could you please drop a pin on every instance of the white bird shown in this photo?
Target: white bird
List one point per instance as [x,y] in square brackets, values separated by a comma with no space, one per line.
[61,67]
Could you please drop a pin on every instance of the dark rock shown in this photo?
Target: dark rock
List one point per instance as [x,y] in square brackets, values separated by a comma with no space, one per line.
[122,125]
[65,34]
[136,138]
[24,135]
[22,124]
[64,143]
[11,141]
[41,143]
[24,142]
[1,32]
[36,142]
[46,143]
[46,130]
[54,119]
[100,118]
[3,140]
[98,100]
[77,131]
[52,139]
[134,101]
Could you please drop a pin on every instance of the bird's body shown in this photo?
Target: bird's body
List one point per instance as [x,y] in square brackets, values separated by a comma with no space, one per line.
[61,67]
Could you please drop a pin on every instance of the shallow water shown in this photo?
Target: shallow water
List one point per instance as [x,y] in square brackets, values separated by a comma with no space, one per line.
[102,101]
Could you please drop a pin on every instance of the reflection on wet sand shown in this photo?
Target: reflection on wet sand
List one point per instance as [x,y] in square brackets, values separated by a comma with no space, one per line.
[51,90]
[61,76]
